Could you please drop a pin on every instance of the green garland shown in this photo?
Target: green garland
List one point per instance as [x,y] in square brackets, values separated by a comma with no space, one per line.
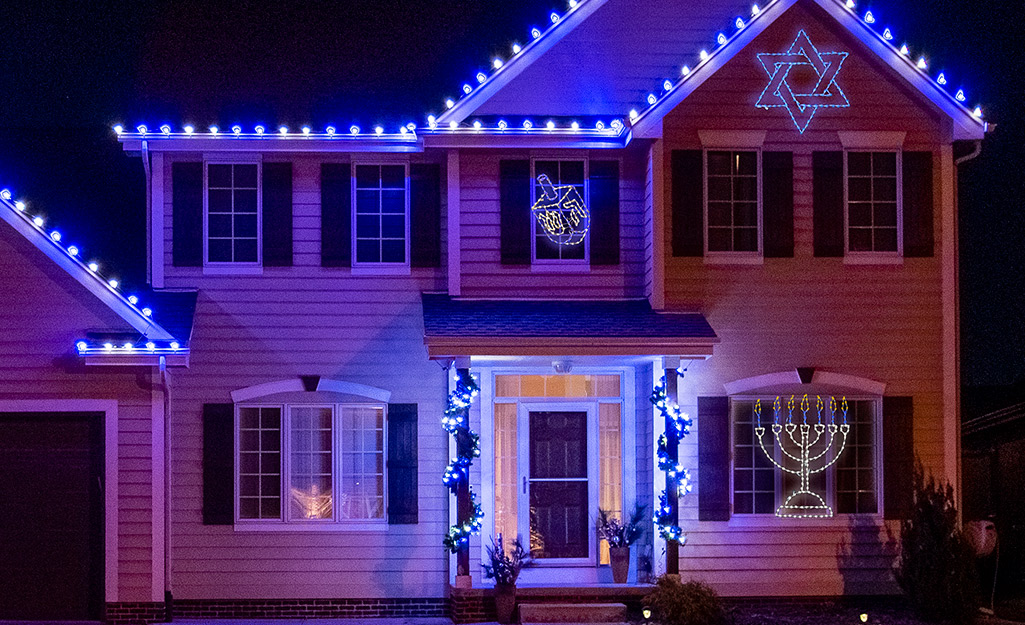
[680,423]
[457,423]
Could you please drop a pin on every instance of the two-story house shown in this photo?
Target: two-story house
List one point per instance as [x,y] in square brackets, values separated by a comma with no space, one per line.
[757,204]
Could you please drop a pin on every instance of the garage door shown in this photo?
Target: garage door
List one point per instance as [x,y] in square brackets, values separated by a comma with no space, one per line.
[51,516]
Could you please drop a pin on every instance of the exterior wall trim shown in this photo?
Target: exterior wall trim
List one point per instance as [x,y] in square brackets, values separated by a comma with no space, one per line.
[110,472]
[294,385]
[791,377]
[872,140]
[735,139]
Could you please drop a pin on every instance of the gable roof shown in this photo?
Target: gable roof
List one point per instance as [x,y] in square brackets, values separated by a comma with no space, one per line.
[560,78]
[107,290]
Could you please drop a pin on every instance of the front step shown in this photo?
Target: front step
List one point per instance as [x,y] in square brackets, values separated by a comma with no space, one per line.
[572,613]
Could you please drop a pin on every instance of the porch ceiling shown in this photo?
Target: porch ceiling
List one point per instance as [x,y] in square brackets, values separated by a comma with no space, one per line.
[457,327]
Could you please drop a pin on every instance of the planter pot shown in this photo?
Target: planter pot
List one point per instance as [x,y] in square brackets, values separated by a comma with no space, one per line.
[505,602]
[619,557]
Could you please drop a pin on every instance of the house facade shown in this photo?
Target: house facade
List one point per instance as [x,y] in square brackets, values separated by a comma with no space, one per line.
[755,215]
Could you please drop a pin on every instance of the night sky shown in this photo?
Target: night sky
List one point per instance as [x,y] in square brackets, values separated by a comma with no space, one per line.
[70,70]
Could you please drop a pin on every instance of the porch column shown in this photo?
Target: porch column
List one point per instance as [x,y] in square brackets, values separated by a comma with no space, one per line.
[669,366]
[464,448]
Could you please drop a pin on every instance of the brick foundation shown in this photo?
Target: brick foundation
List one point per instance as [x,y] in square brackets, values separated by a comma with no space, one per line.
[140,613]
[309,608]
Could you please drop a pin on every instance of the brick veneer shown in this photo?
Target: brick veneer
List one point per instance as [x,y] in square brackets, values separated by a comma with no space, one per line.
[139,613]
[309,608]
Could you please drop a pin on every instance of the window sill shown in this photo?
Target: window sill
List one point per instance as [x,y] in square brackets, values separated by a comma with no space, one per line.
[771,521]
[233,270]
[381,270]
[734,258]
[560,267]
[331,527]
[869,258]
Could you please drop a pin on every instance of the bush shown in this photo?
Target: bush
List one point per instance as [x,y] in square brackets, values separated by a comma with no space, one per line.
[936,569]
[673,602]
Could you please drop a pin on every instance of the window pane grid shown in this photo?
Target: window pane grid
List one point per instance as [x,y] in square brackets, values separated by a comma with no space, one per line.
[311,463]
[232,213]
[561,173]
[380,229]
[557,385]
[754,477]
[732,201]
[855,472]
[872,201]
[362,462]
[260,463]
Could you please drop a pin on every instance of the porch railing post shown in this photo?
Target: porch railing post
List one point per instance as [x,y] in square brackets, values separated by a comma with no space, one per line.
[463,506]
[672,482]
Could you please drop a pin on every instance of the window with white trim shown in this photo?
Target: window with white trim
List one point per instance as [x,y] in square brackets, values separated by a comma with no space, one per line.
[310,464]
[733,214]
[232,224]
[851,485]
[572,173]
[873,213]
[380,231]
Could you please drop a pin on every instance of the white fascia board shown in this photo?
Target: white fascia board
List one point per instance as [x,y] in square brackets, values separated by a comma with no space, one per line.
[269,144]
[79,271]
[649,123]
[515,66]
[179,359]
[522,139]
[966,125]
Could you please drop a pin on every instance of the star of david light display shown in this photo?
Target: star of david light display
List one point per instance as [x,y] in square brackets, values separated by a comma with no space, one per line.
[779,93]
[561,213]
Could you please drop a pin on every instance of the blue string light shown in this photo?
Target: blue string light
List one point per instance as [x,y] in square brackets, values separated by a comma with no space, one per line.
[456,422]
[679,423]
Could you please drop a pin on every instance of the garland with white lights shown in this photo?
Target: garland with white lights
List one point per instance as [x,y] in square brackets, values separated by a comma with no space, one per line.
[680,424]
[457,423]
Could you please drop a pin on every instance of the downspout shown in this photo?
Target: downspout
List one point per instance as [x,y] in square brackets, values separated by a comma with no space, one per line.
[974,153]
[149,211]
[166,388]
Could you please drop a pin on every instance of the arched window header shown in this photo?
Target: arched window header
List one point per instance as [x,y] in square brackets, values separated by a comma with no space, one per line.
[310,384]
[805,377]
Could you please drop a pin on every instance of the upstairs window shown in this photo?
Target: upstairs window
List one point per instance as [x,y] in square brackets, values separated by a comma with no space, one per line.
[381,215]
[873,202]
[232,213]
[561,173]
[733,214]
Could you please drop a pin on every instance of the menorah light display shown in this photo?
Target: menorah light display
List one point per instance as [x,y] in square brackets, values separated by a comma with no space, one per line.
[803,503]
[561,212]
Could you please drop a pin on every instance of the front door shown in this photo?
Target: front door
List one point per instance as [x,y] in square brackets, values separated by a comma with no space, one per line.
[558,484]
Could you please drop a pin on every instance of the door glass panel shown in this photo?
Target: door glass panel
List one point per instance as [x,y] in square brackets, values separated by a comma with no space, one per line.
[558,484]
[505,472]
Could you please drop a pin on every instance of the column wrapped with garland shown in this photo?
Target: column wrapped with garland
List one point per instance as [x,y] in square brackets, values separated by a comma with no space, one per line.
[678,481]
[457,475]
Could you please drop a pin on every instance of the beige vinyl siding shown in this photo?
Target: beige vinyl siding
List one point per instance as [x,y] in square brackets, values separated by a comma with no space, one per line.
[881,322]
[484,275]
[45,312]
[307,320]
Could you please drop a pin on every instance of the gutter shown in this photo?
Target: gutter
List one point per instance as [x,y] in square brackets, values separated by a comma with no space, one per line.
[166,387]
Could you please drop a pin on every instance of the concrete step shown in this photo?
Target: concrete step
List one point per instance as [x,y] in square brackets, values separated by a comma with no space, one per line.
[531,613]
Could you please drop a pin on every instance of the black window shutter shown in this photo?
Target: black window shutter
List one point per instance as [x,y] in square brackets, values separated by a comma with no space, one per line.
[218,464]
[403,500]
[827,203]
[778,204]
[688,211]
[335,215]
[898,456]
[277,214]
[514,205]
[604,200]
[918,205]
[713,458]
[425,214]
[187,214]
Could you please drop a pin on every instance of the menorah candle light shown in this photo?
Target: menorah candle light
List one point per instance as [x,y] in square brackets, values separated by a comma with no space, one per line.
[561,213]
[796,447]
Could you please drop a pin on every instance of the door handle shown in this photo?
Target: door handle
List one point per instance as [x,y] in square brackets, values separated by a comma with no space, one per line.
[524,484]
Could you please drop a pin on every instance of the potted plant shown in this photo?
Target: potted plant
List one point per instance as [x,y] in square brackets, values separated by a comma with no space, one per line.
[504,568]
[620,536]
